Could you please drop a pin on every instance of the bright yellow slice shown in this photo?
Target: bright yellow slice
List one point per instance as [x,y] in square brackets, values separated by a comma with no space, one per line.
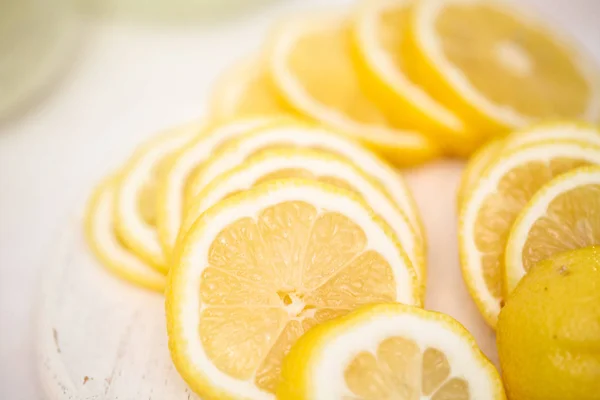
[186,163]
[291,134]
[495,202]
[544,132]
[563,215]
[389,351]
[323,166]
[245,89]
[110,250]
[311,64]
[136,193]
[379,31]
[261,267]
[498,67]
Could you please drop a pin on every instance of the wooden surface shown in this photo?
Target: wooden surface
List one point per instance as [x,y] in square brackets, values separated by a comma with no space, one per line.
[100,338]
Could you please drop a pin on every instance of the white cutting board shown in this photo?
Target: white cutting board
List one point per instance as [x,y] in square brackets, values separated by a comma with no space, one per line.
[100,338]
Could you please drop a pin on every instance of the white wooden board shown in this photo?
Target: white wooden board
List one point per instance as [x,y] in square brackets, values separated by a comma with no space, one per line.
[100,338]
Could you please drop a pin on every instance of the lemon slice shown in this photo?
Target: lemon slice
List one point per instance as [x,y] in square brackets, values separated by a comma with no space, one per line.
[548,132]
[563,215]
[311,65]
[135,200]
[184,165]
[378,29]
[107,246]
[321,166]
[245,89]
[475,167]
[389,351]
[493,205]
[498,66]
[291,134]
[261,267]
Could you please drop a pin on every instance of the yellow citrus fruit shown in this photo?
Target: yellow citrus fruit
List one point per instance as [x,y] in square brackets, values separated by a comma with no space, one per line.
[491,208]
[187,162]
[136,193]
[293,134]
[389,351]
[379,32]
[323,166]
[261,267]
[311,64]
[499,67]
[563,215]
[106,245]
[246,89]
[549,330]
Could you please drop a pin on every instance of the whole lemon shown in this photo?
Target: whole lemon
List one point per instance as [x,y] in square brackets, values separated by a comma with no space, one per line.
[548,332]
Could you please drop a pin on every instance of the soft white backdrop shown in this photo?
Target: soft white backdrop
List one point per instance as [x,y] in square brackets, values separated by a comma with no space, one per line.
[125,83]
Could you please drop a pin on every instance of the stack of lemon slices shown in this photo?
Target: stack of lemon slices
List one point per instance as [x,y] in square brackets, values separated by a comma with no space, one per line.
[267,227]
[522,200]
[291,251]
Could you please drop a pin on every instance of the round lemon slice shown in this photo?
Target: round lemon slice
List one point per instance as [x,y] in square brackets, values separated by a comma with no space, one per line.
[378,29]
[495,202]
[298,135]
[135,200]
[389,351]
[498,66]
[563,215]
[261,267]
[545,132]
[321,166]
[245,89]
[311,64]
[184,165]
[109,249]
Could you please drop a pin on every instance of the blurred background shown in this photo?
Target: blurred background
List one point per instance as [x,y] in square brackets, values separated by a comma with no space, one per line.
[83,81]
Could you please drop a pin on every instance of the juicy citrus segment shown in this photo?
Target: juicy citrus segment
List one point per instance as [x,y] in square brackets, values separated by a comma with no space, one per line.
[476,166]
[319,165]
[260,268]
[378,31]
[497,64]
[187,162]
[107,246]
[137,189]
[563,215]
[246,89]
[494,204]
[388,351]
[288,134]
[311,64]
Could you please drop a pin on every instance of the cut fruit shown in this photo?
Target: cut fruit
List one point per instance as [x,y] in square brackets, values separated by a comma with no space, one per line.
[545,132]
[136,193]
[323,166]
[298,135]
[261,267]
[389,351]
[246,89]
[185,164]
[109,249]
[476,166]
[311,64]
[378,31]
[563,215]
[495,202]
[499,67]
